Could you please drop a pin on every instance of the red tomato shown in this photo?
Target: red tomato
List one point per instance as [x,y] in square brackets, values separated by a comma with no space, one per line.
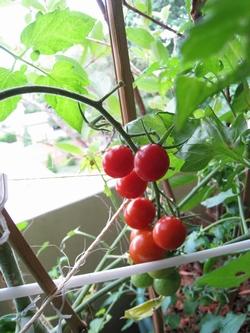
[139,213]
[151,162]
[118,161]
[131,186]
[169,232]
[135,232]
[143,248]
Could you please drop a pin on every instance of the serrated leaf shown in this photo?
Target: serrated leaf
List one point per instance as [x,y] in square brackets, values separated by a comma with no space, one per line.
[66,73]
[196,157]
[222,21]
[157,123]
[139,36]
[57,31]
[9,79]
[232,274]
[190,93]
[144,310]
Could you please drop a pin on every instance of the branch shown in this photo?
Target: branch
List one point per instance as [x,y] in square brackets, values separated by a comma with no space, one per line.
[103,9]
[16,57]
[196,12]
[74,96]
[198,187]
[158,322]
[164,26]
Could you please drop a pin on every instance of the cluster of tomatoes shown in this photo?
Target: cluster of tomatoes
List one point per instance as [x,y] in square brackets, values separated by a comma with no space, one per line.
[149,240]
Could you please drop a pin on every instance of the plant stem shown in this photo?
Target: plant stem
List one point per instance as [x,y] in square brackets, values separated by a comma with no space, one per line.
[100,266]
[157,199]
[212,225]
[164,26]
[198,187]
[12,274]
[16,57]
[241,210]
[238,239]
[74,96]
[13,277]
[100,293]
[158,322]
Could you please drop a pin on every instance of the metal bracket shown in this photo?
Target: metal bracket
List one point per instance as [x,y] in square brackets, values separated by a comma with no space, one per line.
[3,190]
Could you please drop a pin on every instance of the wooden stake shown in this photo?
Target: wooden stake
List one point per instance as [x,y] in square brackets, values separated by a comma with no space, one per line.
[25,252]
[121,58]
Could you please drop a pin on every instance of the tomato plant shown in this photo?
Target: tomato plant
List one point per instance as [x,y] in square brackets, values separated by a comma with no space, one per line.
[176,136]
[139,213]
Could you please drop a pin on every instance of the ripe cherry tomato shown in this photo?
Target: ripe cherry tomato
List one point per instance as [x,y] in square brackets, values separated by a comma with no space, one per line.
[135,232]
[131,186]
[151,162]
[139,213]
[169,232]
[118,161]
[143,248]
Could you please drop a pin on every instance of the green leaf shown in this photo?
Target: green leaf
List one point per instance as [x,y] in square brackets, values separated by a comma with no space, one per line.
[218,199]
[222,21]
[57,31]
[210,323]
[8,323]
[157,124]
[148,84]
[9,79]
[173,320]
[190,306]
[238,127]
[196,157]
[182,179]
[175,166]
[233,322]
[197,198]
[33,3]
[241,100]
[66,73]
[230,275]
[144,310]
[139,36]
[160,51]
[22,225]
[69,148]
[190,93]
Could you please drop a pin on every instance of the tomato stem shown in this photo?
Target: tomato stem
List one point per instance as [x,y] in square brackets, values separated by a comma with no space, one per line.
[74,96]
